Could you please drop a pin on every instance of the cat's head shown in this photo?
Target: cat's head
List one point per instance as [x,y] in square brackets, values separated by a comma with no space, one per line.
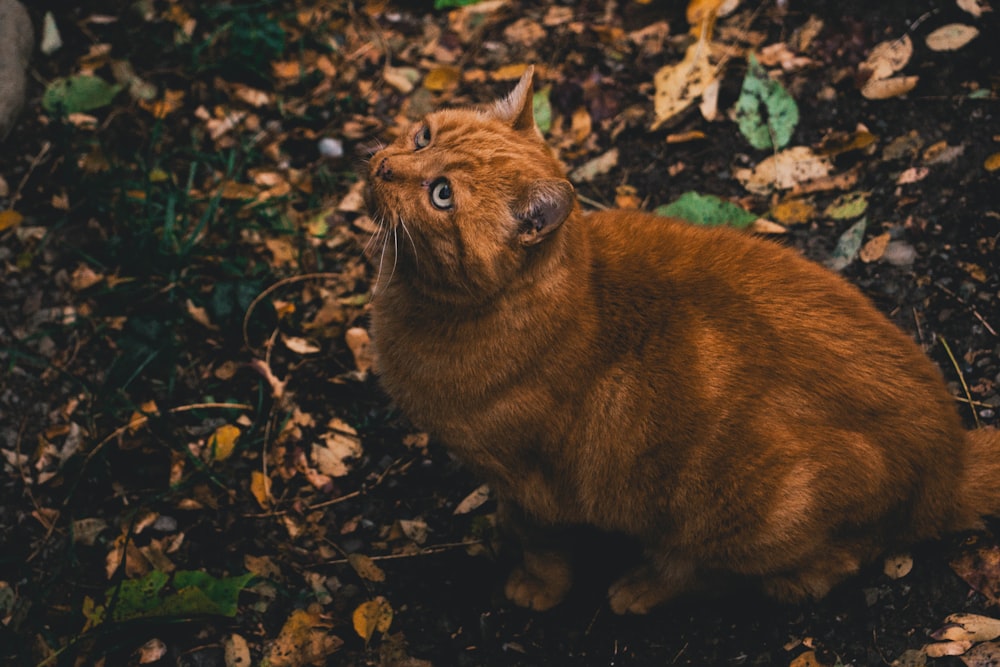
[467,199]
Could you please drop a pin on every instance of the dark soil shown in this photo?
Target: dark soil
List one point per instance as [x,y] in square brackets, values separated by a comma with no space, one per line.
[132,342]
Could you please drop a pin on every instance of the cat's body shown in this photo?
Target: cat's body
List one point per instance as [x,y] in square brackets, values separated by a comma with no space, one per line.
[730,405]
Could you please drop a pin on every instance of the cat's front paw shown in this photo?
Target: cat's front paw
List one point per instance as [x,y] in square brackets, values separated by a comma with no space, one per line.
[534,592]
[639,591]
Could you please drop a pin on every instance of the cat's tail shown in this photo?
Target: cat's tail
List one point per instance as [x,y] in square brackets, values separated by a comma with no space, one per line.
[980,492]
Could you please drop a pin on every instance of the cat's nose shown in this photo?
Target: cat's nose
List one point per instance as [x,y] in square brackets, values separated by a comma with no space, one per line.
[384,171]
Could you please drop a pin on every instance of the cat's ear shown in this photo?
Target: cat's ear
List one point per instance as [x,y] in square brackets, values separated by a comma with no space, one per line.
[542,208]
[516,109]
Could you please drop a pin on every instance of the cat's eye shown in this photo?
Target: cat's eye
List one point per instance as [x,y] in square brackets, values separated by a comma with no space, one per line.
[441,195]
[422,137]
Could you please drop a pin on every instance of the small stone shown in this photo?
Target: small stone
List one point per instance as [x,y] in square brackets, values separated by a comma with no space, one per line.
[899,253]
[330,147]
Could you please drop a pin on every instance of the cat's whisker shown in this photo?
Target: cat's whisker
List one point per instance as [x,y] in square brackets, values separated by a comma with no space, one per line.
[406,231]
[381,260]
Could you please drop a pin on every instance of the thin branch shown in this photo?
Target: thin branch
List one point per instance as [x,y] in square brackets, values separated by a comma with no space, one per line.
[961,378]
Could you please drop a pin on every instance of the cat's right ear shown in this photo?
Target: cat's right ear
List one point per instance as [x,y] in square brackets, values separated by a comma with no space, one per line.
[542,208]
[517,108]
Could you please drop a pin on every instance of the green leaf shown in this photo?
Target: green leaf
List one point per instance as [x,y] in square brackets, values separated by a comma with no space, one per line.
[766,113]
[707,210]
[195,593]
[221,594]
[542,109]
[77,94]
[451,4]
[848,206]
[848,245]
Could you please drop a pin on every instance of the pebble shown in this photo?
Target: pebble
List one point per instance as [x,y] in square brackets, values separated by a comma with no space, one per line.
[899,253]
[330,147]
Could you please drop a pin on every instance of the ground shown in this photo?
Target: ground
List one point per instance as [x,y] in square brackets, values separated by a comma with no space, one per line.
[199,467]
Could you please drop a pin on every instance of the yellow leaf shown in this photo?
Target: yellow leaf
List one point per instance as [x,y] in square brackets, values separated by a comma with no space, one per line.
[10,218]
[369,617]
[510,72]
[871,252]
[807,659]
[366,567]
[794,211]
[992,163]
[223,441]
[679,85]
[441,78]
[260,487]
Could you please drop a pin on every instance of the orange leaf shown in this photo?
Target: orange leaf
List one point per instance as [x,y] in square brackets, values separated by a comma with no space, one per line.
[10,218]
[371,616]
[260,487]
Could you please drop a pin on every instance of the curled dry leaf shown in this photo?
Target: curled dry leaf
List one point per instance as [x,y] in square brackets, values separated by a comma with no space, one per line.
[304,640]
[300,345]
[888,57]
[942,649]
[971,627]
[951,37]
[883,89]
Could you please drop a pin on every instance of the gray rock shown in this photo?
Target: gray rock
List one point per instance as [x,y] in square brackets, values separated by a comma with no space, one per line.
[17,40]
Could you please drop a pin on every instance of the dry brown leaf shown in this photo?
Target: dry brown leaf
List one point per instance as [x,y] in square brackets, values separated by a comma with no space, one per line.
[807,659]
[10,218]
[942,649]
[968,627]
[283,252]
[980,568]
[986,654]
[595,167]
[912,175]
[331,456]
[951,37]
[152,651]
[236,651]
[84,277]
[785,170]
[900,565]
[883,89]
[887,58]
[474,500]
[524,32]
[872,252]
[300,345]
[440,79]
[414,529]
[366,567]
[199,315]
[992,162]
[679,85]
[974,7]
[360,345]
[304,640]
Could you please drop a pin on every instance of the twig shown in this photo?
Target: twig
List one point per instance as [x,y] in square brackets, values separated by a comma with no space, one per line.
[591,202]
[263,295]
[971,308]
[961,378]
[425,551]
[35,161]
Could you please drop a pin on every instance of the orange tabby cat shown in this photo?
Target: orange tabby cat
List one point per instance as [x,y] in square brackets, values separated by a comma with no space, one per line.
[728,404]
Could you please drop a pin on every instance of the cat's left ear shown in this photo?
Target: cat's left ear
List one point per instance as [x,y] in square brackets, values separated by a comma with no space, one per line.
[542,208]
[516,109]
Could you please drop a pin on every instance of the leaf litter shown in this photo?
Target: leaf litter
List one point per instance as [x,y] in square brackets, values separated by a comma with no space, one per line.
[268,190]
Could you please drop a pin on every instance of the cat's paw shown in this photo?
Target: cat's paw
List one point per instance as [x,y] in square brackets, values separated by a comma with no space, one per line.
[529,590]
[639,591]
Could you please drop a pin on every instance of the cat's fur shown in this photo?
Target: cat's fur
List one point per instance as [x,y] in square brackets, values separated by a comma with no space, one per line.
[730,405]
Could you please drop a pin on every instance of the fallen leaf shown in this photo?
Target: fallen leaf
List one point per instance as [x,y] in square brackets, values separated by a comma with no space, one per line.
[706,210]
[970,627]
[807,659]
[679,85]
[223,441]
[236,651]
[883,89]
[84,277]
[369,617]
[199,315]
[942,649]
[300,345]
[152,651]
[785,170]
[895,567]
[793,211]
[912,175]
[304,639]
[767,115]
[474,500]
[980,568]
[974,7]
[991,163]
[414,529]
[366,567]
[951,37]
[872,252]
[442,78]
[598,166]
[887,58]
[848,246]
[331,456]
[984,655]
[360,345]
[260,487]
[847,206]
